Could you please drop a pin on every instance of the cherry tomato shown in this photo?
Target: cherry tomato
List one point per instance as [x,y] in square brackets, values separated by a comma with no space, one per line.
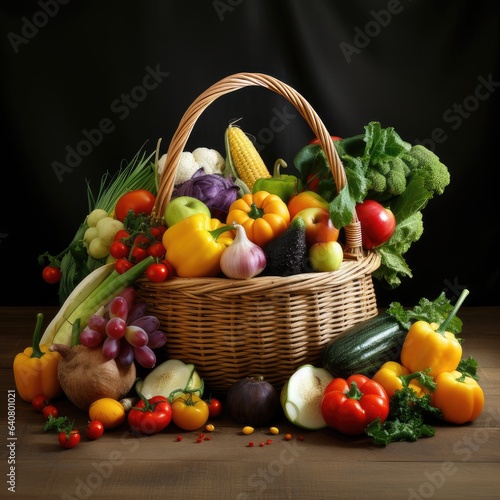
[189,412]
[170,268]
[51,274]
[121,235]
[39,402]
[69,439]
[157,232]
[50,410]
[137,254]
[140,201]
[157,250]
[157,272]
[214,407]
[119,250]
[122,265]
[94,430]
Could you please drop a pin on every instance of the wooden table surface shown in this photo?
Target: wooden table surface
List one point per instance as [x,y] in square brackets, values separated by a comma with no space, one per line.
[458,462]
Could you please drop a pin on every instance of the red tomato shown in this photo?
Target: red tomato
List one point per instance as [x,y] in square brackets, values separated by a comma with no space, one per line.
[157,250]
[137,254]
[69,439]
[122,265]
[157,272]
[140,201]
[121,234]
[377,223]
[40,402]
[95,429]
[170,268]
[119,250]
[51,274]
[50,410]
[214,407]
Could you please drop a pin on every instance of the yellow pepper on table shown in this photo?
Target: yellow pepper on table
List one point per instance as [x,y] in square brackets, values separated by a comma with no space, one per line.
[195,245]
[430,346]
[459,397]
[393,376]
[263,215]
[35,369]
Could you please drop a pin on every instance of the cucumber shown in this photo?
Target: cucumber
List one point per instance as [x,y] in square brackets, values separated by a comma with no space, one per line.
[365,347]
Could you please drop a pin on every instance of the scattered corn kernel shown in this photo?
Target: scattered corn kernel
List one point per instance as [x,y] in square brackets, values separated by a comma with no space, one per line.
[247,429]
[210,427]
[274,430]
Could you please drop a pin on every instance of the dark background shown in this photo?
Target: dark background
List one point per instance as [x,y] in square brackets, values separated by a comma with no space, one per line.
[420,67]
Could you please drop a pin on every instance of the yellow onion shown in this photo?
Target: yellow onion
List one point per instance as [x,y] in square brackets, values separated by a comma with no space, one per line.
[243,259]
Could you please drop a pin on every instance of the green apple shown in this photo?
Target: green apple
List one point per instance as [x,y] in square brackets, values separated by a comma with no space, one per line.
[326,256]
[182,207]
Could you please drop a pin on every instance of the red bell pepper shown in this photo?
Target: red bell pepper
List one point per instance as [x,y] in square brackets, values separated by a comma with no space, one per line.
[150,416]
[349,405]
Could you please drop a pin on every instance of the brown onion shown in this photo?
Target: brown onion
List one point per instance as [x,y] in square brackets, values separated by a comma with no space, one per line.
[86,375]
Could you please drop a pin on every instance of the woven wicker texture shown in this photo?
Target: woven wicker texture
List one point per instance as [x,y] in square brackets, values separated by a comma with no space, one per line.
[266,325]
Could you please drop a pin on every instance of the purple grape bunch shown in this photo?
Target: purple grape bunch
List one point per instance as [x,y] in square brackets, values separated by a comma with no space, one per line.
[125,331]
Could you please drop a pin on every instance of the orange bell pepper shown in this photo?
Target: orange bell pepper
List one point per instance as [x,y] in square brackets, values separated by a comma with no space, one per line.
[459,397]
[263,215]
[35,369]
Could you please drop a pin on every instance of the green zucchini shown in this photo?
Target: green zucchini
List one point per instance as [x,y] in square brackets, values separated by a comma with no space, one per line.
[365,347]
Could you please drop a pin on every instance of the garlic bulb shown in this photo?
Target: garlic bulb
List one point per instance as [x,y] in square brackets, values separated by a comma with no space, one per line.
[242,259]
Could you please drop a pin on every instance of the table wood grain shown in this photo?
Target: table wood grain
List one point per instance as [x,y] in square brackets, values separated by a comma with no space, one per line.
[458,462]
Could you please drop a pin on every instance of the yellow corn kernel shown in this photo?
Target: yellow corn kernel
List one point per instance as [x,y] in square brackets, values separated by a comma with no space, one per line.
[245,158]
[247,429]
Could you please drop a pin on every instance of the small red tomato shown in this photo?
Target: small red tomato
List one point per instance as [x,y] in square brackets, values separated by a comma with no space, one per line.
[51,274]
[157,272]
[214,407]
[119,250]
[170,268]
[40,402]
[50,410]
[137,254]
[94,430]
[121,235]
[157,232]
[122,265]
[69,439]
[157,250]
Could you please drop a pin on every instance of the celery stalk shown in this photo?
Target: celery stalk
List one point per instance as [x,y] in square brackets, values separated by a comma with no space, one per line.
[112,286]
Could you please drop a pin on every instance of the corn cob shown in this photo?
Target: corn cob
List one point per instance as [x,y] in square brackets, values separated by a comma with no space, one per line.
[243,157]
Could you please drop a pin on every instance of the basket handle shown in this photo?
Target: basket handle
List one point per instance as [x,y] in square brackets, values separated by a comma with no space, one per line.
[236,82]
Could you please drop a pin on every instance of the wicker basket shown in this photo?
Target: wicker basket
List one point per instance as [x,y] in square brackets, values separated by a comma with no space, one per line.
[266,325]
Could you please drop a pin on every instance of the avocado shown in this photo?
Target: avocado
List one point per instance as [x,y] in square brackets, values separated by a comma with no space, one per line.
[287,254]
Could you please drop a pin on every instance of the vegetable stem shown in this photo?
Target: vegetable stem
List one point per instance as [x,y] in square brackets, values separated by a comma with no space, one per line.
[37,352]
[444,325]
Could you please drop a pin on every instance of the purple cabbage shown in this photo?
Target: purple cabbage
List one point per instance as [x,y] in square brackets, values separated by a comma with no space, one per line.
[216,191]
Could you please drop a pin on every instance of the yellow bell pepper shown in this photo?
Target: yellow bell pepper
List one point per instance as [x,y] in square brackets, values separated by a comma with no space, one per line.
[393,376]
[195,244]
[459,397]
[430,346]
[35,369]
[263,215]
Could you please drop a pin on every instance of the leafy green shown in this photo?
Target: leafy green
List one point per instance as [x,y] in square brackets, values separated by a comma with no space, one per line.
[379,157]
[435,311]
[468,367]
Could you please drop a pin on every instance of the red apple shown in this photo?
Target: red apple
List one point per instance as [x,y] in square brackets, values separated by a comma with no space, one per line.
[377,223]
[326,257]
[319,226]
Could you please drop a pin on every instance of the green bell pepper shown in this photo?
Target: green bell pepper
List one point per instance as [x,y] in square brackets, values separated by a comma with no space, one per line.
[285,186]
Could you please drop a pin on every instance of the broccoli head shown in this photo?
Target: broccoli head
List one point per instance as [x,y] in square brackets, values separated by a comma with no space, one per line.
[424,162]
[388,178]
